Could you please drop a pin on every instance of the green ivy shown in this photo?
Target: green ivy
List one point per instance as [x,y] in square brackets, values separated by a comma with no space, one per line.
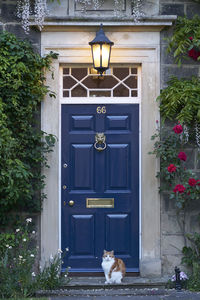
[181,100]
[22,144]
[179,42]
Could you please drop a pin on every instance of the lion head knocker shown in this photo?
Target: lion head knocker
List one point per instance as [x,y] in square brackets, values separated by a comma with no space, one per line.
[100,141]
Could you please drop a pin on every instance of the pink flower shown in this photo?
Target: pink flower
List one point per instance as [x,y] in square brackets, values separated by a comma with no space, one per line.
[171,168]
[182,156]
[179,188]
[192,182]
[178,129]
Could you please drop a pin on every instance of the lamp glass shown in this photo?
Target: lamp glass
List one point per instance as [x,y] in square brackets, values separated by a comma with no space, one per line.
[96,50]
[105,55]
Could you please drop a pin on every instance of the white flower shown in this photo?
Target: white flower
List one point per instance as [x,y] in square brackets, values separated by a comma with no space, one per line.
[32,255]
[33,274]
[24,240]
[20,257]
[29,220]
[10,247]
[51,257]
[65,275]
[59,251]
[33,232]
[17,230]
[67,249]
[7,246]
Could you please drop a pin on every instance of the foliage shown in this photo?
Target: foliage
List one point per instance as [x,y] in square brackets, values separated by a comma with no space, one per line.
[180,100]
[180,42]
[49,277]
[179,181]
[18,277]
[191,257]
[23,146]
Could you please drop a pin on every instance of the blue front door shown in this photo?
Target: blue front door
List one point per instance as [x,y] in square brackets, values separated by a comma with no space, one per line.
[100,189]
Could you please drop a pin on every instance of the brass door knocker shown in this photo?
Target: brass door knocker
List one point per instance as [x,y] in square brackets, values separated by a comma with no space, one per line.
[100,141]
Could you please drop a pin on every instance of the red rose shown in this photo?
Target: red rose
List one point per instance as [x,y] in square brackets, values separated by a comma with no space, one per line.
[171,168]
[190,38]
[178,129]
[193,53]
[182,156]
[192,182]
[179,188]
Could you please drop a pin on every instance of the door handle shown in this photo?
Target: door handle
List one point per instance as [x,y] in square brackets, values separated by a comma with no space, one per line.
[100,141]
[71,203]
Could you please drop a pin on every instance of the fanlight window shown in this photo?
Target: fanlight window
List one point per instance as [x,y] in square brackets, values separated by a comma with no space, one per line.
[116,82]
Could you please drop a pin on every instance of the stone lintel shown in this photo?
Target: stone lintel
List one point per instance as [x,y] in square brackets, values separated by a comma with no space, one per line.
[158,22]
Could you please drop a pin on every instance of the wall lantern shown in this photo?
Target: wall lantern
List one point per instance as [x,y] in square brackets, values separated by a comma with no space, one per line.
[101,49]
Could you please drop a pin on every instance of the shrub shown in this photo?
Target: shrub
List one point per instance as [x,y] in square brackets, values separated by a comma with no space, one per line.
[18,274]
[22,144]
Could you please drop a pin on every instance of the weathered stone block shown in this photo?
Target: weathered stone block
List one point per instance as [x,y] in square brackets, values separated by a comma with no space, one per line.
[8,12]
[167,204]
[168,71]
[192,9]
[169,262]
[172,244]
[172,9]
[170,223]
[166,33]
[194,223]
[166,58]
[190,162]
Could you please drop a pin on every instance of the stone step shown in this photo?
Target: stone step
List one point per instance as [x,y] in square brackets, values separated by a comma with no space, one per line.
[95,286]
[128,282]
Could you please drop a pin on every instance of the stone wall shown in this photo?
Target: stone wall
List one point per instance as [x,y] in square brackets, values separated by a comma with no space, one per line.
[171,237]
[10,22]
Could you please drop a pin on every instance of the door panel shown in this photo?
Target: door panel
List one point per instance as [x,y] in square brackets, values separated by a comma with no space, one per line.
[100,175]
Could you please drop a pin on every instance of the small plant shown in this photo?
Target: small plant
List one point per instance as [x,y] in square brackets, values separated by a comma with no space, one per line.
[18,273]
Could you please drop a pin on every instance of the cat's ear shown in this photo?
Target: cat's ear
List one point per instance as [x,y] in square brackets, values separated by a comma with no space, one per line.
[104,251]
[112,252]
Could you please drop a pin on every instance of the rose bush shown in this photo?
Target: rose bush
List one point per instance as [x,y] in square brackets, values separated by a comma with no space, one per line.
[182,186]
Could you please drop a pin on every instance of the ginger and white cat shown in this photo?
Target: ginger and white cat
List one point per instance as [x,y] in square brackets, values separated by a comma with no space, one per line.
[114,268]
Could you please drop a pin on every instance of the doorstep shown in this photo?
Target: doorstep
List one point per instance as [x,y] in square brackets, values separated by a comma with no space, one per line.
[95,286]
[129,282]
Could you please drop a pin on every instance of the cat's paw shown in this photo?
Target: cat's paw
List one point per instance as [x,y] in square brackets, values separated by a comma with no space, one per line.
[118,281]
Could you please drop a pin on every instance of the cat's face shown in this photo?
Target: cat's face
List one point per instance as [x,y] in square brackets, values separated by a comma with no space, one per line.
[108,255]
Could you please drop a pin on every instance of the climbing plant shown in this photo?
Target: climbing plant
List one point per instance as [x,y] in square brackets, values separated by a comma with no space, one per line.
[38,10]
[185,37]
[22,144]
[180,100]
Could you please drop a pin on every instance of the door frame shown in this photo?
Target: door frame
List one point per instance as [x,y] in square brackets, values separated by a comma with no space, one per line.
[139,48]
[99,101]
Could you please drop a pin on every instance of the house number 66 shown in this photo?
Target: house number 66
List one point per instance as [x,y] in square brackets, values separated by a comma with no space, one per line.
[101,109]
